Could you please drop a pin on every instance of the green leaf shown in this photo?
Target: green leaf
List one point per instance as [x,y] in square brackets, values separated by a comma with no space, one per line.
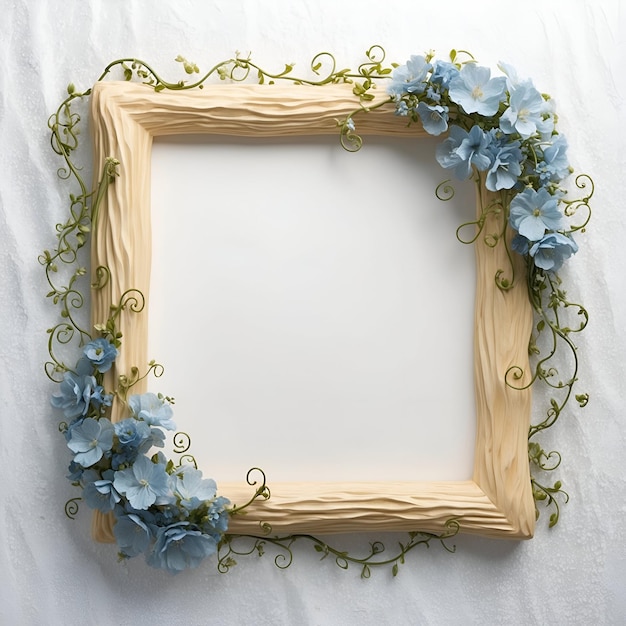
[394,569]
[582,399]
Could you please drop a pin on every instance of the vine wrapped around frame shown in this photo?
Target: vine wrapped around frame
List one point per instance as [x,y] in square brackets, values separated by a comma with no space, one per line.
[500,131]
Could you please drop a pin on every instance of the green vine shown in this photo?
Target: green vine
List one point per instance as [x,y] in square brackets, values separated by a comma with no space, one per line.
[235,546]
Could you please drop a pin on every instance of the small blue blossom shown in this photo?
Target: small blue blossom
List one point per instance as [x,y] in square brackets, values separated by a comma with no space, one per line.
[462,150]
[99,493]
[552,250]
[72,425]
[125,455]
[217,517]
[76,393]
[520,244]
[525,112]
[101,353]
[475,90]
[134,437]
[142,483]
[180,546]
[131,432]
[76,472]
[90,440]
[434,118]
[433,94]
[410,78]
[546,126]
[554,166]
[532,213]
[152,409]
[506,163]
[401,108]
[443,73]
[511,75]
[192,489]
[132,534]
[170,513]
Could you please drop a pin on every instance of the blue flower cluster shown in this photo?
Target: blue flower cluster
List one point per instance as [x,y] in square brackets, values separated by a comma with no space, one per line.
[501,127]
[171,514]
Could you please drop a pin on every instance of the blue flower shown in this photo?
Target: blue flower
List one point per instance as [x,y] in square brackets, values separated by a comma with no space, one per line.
[554,166]
[410,78]
[134,437]
[75,394]
[552,250]
[525,112]
[68,431]
[170,513]
[506,163]
[76,472]
[131,433]
[101,353]
[443,73]
[476,92]
[532,213]
[520,244]
[401,108]
[90,440]
[152,409]
[434,118]
[142,483]
[433,94]
[511,75]
[180,546]
[191,488]
[217,517]
[99,492]
[461,150]
[132,534]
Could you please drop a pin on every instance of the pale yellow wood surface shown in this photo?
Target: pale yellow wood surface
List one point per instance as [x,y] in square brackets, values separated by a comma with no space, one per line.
[498,501]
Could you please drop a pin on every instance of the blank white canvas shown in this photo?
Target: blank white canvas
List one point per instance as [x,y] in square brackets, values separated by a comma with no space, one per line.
[313,308]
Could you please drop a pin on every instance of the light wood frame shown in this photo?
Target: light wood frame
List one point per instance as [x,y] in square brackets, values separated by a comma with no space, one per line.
[498,500]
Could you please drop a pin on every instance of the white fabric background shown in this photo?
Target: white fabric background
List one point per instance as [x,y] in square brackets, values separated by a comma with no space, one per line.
[51,572]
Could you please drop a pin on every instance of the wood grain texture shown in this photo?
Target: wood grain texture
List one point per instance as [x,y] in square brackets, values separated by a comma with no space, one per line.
[498,501]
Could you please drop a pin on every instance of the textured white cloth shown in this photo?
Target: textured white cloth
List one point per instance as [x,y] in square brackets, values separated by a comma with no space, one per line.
[52,573]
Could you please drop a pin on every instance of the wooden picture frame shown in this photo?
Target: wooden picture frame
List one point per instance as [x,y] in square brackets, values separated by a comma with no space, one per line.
[498,501]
